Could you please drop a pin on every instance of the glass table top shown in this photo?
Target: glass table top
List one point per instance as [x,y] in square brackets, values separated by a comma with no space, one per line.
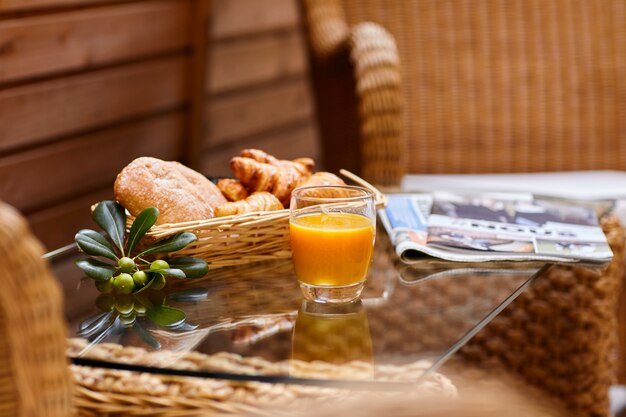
[250,322]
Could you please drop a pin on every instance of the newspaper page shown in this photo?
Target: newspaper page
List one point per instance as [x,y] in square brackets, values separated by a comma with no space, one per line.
[493,227]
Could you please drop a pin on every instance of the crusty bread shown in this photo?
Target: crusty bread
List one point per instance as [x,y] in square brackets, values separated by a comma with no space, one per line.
[209,191]
[179,193]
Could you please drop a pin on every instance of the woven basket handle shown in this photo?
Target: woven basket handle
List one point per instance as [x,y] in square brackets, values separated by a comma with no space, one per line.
[379,198]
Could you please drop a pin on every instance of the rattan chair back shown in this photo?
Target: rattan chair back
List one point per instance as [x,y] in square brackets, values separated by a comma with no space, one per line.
[499,85]
[34,373]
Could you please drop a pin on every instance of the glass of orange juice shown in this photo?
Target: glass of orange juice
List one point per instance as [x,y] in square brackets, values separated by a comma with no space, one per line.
[332,333]
[332,231]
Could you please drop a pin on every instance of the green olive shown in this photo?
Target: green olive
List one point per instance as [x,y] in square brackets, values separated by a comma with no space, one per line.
[105,287]
[158,283]
[126,264]
[105,302]
[124,303]
[140,309]
[140,278]
[128,319]
[159,264]
[123,283]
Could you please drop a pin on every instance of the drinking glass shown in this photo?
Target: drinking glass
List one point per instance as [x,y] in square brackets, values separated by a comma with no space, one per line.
[332,231]
[333,333]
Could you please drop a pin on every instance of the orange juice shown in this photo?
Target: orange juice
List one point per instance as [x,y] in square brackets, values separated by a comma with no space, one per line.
[338,339]
[331,249]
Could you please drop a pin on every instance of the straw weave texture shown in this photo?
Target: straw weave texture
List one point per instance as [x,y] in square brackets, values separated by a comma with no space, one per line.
[486,85]
[34,378]
[561,333]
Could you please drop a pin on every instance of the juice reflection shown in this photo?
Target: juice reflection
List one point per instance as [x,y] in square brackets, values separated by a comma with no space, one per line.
[333,333]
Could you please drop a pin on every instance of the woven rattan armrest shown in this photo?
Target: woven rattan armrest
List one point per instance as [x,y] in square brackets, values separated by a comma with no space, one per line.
[34,379]
[376,73]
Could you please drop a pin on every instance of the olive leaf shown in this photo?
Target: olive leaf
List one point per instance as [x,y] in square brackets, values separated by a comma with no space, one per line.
[189,295]
[94,244]
[95,269]
[98,323]
[172,244]
[143,222]
[145,287]
[165,316]
[185,327]
[192,267]
[141,299]
[147,336]
[111,217]
[176,273]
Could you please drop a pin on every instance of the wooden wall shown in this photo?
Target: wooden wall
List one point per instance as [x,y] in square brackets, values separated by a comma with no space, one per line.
[88,85]
[257,85]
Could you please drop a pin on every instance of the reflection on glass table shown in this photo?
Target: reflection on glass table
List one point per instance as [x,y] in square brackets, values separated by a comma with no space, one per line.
[251,323]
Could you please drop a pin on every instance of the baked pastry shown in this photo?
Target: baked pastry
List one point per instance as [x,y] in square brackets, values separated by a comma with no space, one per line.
[304,166]
[232,189]
[179,193]
[320,178]
[307,163]
[210,192]
[279,179]
[258,201]
[259,156]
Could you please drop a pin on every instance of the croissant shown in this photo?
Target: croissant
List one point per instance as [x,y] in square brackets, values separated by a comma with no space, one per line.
[307,163]
[232,189]
[259,156]
[258,201]
[320,178]
[304,166]
[280,180]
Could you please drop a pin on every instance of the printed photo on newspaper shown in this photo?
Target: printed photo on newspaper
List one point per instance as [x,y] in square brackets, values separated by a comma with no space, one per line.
[493,227]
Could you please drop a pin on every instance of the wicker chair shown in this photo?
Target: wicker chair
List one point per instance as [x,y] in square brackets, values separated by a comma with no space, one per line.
[487,86]
[34,374]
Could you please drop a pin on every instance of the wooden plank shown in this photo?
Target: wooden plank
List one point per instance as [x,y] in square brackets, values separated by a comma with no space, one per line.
[15,5]
[40,45]
[255,60]
[39,111]
[292,143]
[251,112]
[197,81]
[244,17]
[84,163]
[57,225]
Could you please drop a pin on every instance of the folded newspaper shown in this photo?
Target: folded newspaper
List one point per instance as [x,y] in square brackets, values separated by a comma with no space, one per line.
[492,227]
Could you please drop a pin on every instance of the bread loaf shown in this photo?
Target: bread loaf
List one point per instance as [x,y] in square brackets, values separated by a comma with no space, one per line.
[179,193]
[209,191]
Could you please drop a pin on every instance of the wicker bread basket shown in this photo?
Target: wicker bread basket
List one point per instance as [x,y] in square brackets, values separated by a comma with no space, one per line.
[244,238]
